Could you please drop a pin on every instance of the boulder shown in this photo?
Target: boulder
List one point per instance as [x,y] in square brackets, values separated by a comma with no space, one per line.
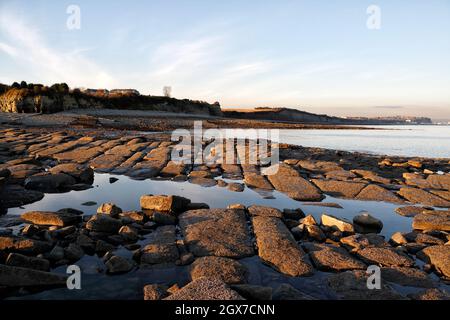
[117,265]
[218,232]
[359,241]
[23,245]
[352,285]
[15,196]
[409,211]
[415,195]
[205,289]
[398,239]
[314,232]
[236,187]
[278,248]
[19,260]
[228,270]
[80,172]
[11,276]
[384,256]
[432,220]
[73,252]
[289,181]
[331,258]
[109,209]
[294,214]
[376,193]
[50,218]
[155,292]
[407,277]
[103,223]
[256,210]
[345,189]
[160,247]
[439,257]
[337,223]
[365,223]
[430,294]
[164,203]
[257,181]
[49,182]
[129,234]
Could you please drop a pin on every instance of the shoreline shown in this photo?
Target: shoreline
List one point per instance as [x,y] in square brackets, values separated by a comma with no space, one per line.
[165,231]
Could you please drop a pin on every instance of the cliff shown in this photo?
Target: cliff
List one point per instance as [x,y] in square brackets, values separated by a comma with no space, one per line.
[41,99]
[298,116]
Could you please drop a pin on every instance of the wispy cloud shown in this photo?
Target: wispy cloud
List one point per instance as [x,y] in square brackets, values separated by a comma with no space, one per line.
[28,48]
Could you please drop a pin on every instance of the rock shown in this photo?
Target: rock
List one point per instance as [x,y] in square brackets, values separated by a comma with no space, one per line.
[129,234]
[205,289]
[236,187]
[277,247]
[345,189]
[238,206]
[337,223]
[174,168]
[50,218]
[340,174]
[294,214]
[398,239]
[200,174]
[432,220]
[103,247]
[117,265]
[439,257]
[289,181]
[218,232]
[23,245]
[24,277]
[136,216]
[407,277]
[384,257]
[359,241]
[18,260]
[113,180]
[197,206]
[430,294]
[331,258]
[308,220]
[257,181]
[15,196]
[262,211]
[73,252]
[206,182]
[287,292]
[376,193]
[352,285]
[81,173]
[365,223]
[228,270]
[323,204]
[409,211]
[164,218]
[160,247]
[56,254]
[438,181]
[298,231]
[155,292]
[103,223]
[415,195]
[314,232]
[186,258]
[221,183]
[30,230]
[49,182]
[423,238]
[372,176]
[164,203]
[253,292]
[110,209]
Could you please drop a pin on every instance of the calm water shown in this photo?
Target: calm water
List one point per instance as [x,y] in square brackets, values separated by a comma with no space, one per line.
[412,141]
[126,193]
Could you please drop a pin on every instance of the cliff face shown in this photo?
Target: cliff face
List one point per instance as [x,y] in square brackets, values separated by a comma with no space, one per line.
[22,100]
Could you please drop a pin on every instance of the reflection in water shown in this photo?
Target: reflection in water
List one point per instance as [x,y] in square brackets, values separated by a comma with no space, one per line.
[126,193]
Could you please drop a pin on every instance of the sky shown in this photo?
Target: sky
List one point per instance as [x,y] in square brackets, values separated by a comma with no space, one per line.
[319,56]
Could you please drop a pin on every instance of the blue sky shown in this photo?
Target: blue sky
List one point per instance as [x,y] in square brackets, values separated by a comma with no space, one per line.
[318,55]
